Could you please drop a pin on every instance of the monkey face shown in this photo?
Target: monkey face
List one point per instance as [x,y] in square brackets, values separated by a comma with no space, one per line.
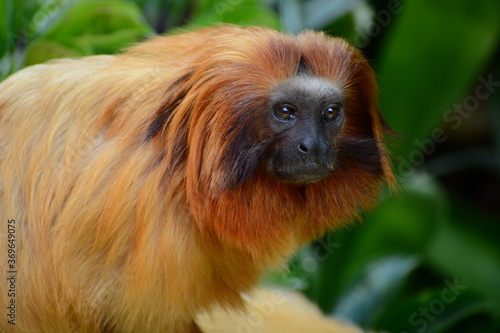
[305,113]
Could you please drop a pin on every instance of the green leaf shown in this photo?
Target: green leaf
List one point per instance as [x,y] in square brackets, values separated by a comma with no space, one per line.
[403,224]
[91,27]
[433,310]
[242,12]
[459,250]
[9,63]
[43,50]
[4,28]
[431,56]
[374,289]
[106,43]
[98,17]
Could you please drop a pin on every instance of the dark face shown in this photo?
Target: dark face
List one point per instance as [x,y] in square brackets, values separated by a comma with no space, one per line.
[305,113]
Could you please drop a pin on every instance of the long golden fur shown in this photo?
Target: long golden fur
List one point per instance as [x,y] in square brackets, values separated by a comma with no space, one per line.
[135,182]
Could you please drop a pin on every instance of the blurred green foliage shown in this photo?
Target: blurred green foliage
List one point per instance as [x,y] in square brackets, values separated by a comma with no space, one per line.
[428,258]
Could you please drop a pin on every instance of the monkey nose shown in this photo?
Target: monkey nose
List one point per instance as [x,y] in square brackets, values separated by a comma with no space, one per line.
[303,148]
[312,146]
[307,145]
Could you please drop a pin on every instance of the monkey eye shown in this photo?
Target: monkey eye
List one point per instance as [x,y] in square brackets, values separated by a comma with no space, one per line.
[285,112]
[331,113]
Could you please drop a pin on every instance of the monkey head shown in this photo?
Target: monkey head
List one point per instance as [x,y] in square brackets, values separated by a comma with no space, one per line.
[305,115]
[271,132]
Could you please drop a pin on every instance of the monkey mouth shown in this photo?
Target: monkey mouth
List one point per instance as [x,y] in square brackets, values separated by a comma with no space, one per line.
[301,173]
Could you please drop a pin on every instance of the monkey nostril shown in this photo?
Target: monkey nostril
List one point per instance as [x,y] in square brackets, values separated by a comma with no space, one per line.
[303,148]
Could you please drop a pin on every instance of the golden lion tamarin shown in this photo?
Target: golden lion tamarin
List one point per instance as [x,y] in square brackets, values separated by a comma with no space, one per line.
[140,190]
